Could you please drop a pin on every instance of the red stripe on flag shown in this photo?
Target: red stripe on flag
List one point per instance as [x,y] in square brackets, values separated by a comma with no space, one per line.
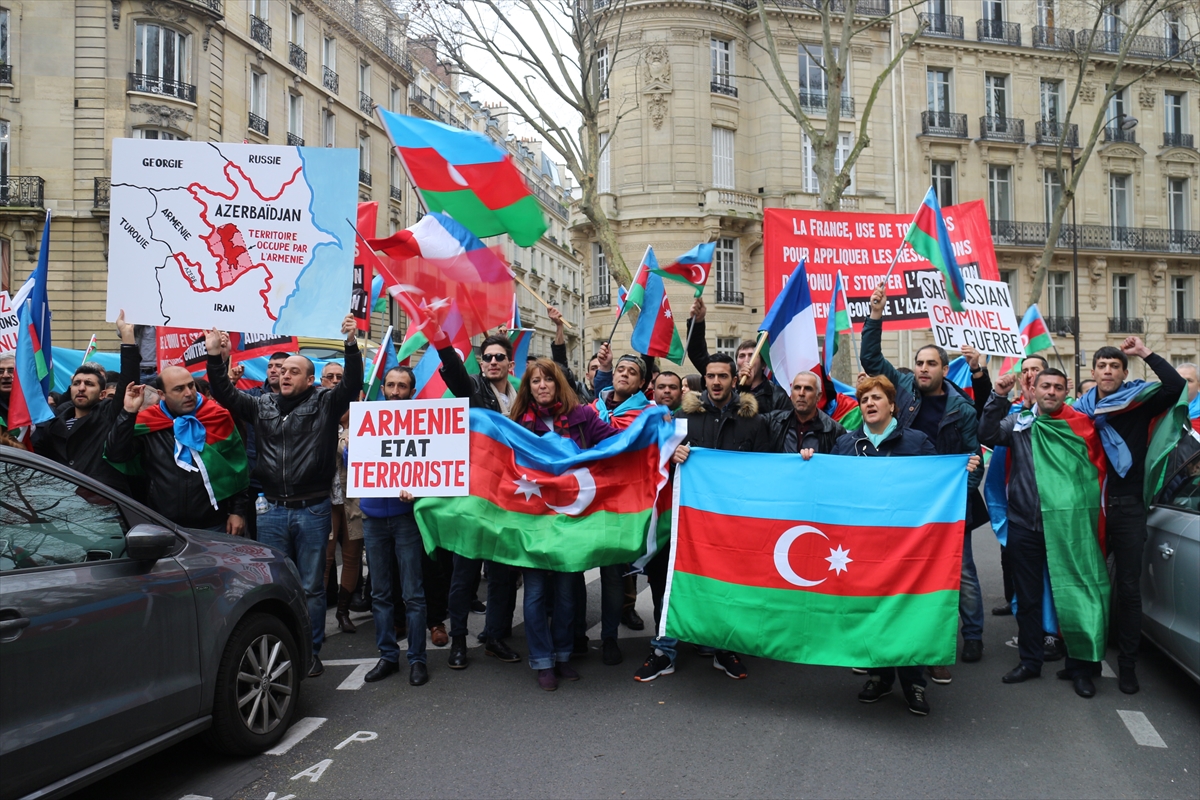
[883,561]
[624,483]
[1036,328]
[926,221]
[497,184]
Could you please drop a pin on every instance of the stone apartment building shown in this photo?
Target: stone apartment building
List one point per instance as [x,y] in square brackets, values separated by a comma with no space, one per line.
[973,108]
[76,74]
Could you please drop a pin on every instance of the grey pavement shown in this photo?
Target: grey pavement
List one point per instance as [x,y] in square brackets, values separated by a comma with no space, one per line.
[787,731]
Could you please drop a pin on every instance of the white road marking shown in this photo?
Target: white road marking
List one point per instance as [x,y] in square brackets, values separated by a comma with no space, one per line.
[1106,671]
[314,772]
[357,677]
[359,736]
[349,662]
[1140,729]
[295,735]
[195,797]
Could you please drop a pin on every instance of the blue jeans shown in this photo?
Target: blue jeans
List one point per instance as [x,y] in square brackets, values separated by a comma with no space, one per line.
[302,533]
[393,542]
[498,620]
[550,636]
[970,596]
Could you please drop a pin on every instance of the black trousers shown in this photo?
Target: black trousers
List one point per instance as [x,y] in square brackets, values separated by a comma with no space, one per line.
[437,572]
[1126,539]
[1006,573]
[1027,558]
[656,576]
[909,676]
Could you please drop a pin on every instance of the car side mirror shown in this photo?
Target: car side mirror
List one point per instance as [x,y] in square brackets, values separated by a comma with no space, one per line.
[149,542]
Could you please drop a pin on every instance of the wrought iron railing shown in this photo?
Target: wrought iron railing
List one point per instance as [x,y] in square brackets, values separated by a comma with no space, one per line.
[258,124]
[1097,237]
[1049,38]
[865,8]
[295,141]
[1051,133]
[1179,140]
[152,84]
[1002,129]
[297,57]
[329,79]
[364,177]
[396,193]
[1119,134]
[994,30]
[942,25]
[260,31]
[388,38]
[725,297]
[943,123]
[820,101]
[22,191]
[365,104]
[599,301]
[1139,46]
[723,86]
[550,203]
[1181,325]
[1126,325]
[6,74]
[101,192]
[1061,326]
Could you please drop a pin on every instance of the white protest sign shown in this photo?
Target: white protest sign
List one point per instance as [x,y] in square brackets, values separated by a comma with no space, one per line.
[8,325]
[423,446]
[233,236]
[987,321]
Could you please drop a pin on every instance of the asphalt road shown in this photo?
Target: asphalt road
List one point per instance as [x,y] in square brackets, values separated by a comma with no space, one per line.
[786,731]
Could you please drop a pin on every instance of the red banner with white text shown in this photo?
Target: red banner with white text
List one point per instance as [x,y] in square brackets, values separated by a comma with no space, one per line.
[862,247]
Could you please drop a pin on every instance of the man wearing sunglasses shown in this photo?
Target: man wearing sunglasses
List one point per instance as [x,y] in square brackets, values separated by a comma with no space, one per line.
[490,390]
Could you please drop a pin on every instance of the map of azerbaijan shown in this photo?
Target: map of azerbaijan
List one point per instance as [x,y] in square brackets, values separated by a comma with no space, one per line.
[225,235]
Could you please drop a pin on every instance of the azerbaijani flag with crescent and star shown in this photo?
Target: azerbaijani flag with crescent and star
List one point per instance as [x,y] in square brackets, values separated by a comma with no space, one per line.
[541,502]
[927,235]
[692,268]
[783,567]
[465,175]
[1035,336]
[655,333]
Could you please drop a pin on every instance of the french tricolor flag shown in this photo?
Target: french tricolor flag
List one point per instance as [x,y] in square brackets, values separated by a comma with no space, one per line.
[791,329]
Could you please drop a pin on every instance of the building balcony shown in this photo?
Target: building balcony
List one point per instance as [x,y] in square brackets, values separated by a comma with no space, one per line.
[1051,133]
[1048,38]
[599,301]
[22,191]
[725,297]
[212,5]
[1002,129]
[101,192]
[297,57]
[365,104]
[6,74]
[260,31]
[329,79]
[1060,326]
[1118,134]
[396,193]
[943,123]
[1140,46]
[258,124]
[730,202]
[364,177]
[294,141]
[1096,237]
[722,85]
[1126,325]
[994,30]
[1185,326]
[819,101]
[151,84]
[549,202]
[941,25]
[1179,140]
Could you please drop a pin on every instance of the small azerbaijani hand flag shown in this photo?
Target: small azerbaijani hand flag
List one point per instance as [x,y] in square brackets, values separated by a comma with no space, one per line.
[515,323]
[927,235]
[520,338]
[385,359]
[837,321]
[791,329]
[91,349]
[27,404]
[622,295]
[1035,336]
[692,268]
[655,333]
[637,292]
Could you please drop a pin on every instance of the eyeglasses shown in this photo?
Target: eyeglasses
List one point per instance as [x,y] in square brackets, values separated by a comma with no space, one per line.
[490,357]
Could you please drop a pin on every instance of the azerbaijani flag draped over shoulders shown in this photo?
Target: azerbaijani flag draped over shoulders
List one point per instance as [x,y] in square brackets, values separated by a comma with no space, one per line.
[692,268]
[927,235]
[463,174]
[655,333]
[540,501]
[791,329]
[783,567]
[34,375]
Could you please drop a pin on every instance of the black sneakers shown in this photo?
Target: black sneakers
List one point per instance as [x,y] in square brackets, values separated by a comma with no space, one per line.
[728,662]
[873,691]
[610,653]
[1127,682]
[655,664]
[316,669]
[915,695]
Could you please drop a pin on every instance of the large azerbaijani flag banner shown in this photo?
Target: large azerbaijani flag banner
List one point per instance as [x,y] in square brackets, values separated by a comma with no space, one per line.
[799,574]
[540,501]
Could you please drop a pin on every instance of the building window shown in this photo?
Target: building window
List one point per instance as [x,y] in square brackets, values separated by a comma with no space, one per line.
[1174,106]
[722,62]
[398,100]
[727,345]
[941,175]
[153,133]
[1175,30]
[258,94]
[722,158]
[1112,20]
[725,270]
[4,142]
[364,79]
[1058,295]
[811,184]
[603,178]
[329,53]
[1000,193]
[328,126]
[600,279]
[1123,299]
[1116,110]
[1181,297]
[814,80]
[395,172]
[295,105]
[1118,200]
[4,36]
[296,27]
[1177,210]
[995,96]
[1051,191]
[364,154]
[259,8]
[937,86]
[1009,277]
[602,73]
[161,53]
[1045,13]
[1051,101]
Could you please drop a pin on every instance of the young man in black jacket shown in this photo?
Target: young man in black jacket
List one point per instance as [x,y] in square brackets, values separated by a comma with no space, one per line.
[769,395]
[297,433]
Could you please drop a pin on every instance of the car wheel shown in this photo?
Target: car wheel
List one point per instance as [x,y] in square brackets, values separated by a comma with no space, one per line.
[258,686]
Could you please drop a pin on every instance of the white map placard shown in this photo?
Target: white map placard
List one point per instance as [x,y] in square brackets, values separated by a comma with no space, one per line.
[239,237]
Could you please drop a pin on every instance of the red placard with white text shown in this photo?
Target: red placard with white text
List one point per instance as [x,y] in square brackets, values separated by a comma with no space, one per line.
[862,247]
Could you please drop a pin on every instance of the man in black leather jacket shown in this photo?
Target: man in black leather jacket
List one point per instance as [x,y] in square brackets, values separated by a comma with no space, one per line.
[296,432]
[806,426]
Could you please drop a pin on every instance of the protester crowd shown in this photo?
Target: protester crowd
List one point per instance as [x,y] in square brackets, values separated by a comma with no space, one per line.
[269,464]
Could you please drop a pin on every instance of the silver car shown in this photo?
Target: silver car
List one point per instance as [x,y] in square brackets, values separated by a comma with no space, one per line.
[121,634]
[1171,570]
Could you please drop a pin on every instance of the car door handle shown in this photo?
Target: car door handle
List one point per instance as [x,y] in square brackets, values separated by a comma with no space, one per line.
[1166,550]
[10,626]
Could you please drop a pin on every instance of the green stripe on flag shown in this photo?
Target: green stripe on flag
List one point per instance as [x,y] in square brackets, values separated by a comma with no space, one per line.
[522,220]
[1167,432]
[808,627]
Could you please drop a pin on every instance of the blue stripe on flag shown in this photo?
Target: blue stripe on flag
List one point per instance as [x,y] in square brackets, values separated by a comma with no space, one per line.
[455,145]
